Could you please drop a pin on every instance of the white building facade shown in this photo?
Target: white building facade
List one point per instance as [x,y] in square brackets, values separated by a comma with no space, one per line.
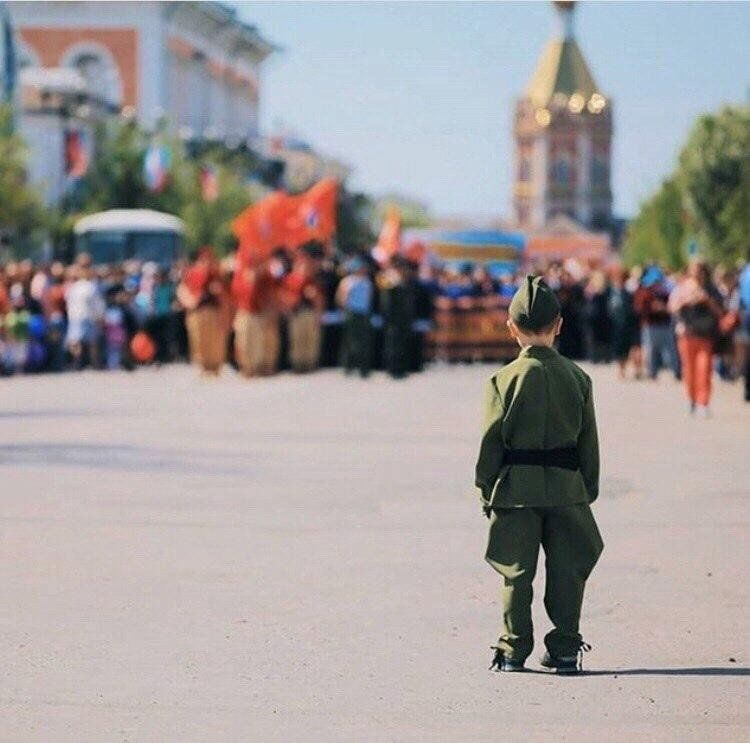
[195,63]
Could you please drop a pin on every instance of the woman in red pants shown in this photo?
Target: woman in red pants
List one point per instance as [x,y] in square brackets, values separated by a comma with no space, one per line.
[696,305]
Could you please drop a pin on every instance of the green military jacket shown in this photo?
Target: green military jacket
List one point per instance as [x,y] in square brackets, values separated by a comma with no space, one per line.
[540,401]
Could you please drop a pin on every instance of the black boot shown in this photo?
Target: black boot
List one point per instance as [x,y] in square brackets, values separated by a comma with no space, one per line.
[566,664]
[501,663]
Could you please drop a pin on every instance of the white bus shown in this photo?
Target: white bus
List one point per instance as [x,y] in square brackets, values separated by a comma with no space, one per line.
[123,234]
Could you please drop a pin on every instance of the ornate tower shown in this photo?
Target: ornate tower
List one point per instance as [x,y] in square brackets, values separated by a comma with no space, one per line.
[563,133]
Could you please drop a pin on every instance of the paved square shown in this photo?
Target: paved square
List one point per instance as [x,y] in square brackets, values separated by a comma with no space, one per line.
[301,559]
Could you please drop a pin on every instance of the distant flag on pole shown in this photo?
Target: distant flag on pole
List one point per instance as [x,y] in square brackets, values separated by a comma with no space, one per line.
[209,180]
[389,241]
[76,156]
[156,165]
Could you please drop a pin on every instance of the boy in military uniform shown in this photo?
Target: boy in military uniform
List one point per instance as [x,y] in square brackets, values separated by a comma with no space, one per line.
[538,471]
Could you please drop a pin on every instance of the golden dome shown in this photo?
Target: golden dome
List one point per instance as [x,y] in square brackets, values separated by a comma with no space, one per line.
[562,69]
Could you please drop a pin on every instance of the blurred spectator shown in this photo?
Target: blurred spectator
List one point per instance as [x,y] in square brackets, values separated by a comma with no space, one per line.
[304,303]
[623,323]
[572,306]
[398,306]
[355,296]
[597,316]
[85,309]
[697,307]
[332,317]
[202,293]
[743,332]
[727,287]
[115,330]
[657,333]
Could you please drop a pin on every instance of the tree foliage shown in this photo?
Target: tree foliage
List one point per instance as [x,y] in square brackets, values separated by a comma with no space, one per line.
[413,213]
[658,232]
[354,232]
[22,216]
[116,180]
[714,172]
[707,198]
[209,222]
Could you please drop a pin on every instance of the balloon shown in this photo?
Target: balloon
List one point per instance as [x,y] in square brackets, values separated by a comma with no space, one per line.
[142,348]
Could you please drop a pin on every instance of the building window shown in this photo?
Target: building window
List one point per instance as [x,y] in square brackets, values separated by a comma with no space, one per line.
[26,57]
[561,172]
[98,69]
[599,172]
[600,221]
[524,170]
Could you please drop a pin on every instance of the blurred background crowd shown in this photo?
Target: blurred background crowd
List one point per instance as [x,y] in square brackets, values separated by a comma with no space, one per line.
[109,179]
[306,309]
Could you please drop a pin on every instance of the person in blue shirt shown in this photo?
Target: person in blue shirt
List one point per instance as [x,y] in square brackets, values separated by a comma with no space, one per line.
[355,297]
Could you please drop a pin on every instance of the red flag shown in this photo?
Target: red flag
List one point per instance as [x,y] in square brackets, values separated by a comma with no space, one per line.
[389,241]
[260,228]
[313,215]
[209,181]
[76,157]
[289,221]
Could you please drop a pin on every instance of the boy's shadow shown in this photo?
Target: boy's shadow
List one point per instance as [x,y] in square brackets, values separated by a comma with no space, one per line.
[707,671]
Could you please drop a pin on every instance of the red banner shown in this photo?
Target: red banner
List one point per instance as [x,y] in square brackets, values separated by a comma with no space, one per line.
[281,220]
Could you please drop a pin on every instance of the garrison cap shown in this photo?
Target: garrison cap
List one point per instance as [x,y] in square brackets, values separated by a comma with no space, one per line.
[534,306]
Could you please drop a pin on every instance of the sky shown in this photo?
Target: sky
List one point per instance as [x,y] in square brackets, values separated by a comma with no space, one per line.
[418,97]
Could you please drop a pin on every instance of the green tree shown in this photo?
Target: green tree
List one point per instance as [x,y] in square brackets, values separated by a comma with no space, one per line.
[658,233]
[714,174]
[22,214]
[353,218]
[209,222]
[413,213]
[116,177]
[116,181]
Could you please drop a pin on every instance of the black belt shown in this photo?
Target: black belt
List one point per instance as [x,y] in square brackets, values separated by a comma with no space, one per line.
[565,457]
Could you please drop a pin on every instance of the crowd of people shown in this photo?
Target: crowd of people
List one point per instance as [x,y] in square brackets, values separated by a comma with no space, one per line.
[691,323]
[305,310]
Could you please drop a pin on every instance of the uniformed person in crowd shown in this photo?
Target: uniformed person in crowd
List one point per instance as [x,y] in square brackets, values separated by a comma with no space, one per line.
[538,471]
[423,310]
[398,308]
[332,317]
[278,267]
[203,295]
[355,296]
[252,290]
[303,298]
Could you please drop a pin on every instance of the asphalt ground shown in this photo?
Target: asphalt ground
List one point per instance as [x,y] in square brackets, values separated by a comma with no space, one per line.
[301,558]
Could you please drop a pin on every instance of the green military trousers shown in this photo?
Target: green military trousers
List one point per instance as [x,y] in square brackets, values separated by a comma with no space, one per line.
[572,545]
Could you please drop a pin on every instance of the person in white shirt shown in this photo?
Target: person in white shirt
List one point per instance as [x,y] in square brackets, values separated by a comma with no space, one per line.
[85,307]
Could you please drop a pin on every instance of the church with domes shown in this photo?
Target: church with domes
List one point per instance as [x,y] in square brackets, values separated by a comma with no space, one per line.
[563,138]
